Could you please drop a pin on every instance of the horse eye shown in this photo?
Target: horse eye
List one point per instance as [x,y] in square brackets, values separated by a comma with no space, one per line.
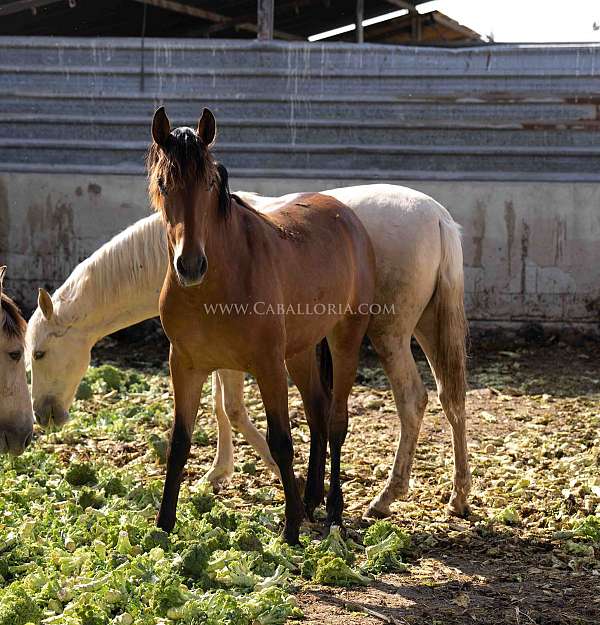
[162,189]
[16,356]
[38,355]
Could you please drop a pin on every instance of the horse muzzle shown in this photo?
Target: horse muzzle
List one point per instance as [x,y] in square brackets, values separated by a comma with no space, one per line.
[190,270]
[48,412]
[14,440]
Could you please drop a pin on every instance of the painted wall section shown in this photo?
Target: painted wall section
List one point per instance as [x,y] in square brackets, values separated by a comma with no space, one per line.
[531,250]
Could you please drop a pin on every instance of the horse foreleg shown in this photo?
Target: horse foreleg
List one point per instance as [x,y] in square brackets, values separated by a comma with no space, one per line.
[187,389]
[410,396]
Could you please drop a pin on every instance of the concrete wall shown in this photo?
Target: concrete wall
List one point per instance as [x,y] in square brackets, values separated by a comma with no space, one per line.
[532,251]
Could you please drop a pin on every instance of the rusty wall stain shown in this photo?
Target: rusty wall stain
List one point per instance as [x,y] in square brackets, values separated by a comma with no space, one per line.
[479,233]
[524,254]
[509,220]
[560,234]
[49,235]
[4,221]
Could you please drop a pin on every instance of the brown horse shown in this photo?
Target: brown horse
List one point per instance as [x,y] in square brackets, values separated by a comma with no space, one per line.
[255,292]
[16,414]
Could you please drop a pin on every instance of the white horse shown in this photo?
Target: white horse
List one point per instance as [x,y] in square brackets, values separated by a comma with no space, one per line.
[419,278]
[16,415]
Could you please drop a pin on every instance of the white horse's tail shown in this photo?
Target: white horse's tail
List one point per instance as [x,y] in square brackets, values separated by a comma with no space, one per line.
[450,314]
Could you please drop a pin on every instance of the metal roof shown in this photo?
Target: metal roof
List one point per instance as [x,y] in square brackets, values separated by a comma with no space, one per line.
[294,19]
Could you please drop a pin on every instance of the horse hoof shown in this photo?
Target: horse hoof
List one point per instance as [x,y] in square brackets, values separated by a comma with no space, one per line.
[376,513]
[165,523]
[291,535]
[217,479]
[334,518]
[458,508]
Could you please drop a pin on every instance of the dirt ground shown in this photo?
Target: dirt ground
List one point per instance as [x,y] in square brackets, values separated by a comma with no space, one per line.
[534,441]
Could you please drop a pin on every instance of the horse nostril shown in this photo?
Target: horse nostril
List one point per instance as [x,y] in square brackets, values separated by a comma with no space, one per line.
[27,440]
[42,418]
[191,268]
[203,265]
[180,265]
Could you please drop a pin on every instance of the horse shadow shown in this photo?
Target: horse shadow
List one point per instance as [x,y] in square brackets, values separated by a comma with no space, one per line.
[492,577]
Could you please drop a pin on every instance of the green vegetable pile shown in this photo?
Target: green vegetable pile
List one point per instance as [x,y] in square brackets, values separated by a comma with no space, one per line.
[78,544]
[107,378]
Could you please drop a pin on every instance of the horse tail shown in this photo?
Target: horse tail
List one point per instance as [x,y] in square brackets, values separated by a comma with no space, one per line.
[451,321]
[325,366]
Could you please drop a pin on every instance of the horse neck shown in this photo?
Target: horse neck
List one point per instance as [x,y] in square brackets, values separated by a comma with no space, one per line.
[124,310]
[128,301]
[227,245]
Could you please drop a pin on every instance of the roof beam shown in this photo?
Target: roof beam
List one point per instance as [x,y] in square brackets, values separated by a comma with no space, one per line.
[210,16]
[23,5]
[186,9]
[448,22]
[403,4]
[360,16]
[234,22]
[265,18]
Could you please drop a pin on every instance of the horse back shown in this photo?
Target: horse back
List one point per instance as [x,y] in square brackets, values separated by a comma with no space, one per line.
[326,243]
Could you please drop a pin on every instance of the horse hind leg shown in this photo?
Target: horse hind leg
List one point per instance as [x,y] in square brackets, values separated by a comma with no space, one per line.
[410,397]
[448,368]
[271,378]
[236,415]
[222,467]
[304,371]
[344,343]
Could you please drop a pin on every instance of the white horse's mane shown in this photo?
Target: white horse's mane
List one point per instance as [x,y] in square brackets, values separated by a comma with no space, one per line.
[131,260]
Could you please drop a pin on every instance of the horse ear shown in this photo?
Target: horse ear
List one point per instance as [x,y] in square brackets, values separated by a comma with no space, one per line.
[45,304]
[207,128]
[161,127]
[2,272]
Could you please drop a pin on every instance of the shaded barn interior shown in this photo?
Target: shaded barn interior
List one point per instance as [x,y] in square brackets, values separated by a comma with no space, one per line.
[294,20]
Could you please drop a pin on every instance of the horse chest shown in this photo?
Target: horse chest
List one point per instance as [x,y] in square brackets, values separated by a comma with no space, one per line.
[218,335]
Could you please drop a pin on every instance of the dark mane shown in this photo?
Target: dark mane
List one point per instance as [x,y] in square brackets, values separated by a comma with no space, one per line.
[12,323]
[185,161]
[224,192]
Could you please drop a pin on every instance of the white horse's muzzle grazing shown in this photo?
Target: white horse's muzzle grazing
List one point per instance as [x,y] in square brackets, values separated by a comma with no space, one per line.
[14,440]
[49,411]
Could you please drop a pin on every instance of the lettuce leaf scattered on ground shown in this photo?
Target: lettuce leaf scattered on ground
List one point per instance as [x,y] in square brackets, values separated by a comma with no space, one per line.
[386,544]
[589,528]
[333,571]
[79,545]
[318,554]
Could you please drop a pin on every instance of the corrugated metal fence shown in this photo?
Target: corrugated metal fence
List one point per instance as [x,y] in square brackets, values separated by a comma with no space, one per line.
[306,110]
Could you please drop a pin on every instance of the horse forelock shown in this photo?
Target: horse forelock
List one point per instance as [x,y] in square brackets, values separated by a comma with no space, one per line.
[12,323]
[184,161]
